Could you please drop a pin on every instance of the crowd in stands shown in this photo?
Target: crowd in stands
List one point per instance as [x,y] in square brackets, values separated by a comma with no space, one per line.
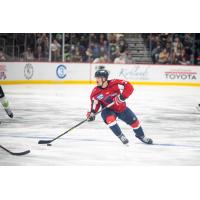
[170,48]
[165,48]
[24,47]
[78,47]
[96,48]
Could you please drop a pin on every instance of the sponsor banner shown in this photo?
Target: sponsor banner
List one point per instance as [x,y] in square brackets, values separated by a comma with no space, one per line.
[152,73]
[45,71]
[36,72]
[128,72]
[182,75]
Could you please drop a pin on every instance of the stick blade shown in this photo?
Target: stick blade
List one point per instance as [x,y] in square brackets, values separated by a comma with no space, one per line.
[21,153]
[44,141]
[15,153]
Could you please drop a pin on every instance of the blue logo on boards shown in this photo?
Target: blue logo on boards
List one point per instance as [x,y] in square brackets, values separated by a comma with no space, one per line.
[61,71]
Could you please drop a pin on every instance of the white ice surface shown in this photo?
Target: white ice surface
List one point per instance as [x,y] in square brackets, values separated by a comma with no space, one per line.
[44,111]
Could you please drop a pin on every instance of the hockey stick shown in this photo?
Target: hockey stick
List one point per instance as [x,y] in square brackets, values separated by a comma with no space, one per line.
[50,141]
[14,153]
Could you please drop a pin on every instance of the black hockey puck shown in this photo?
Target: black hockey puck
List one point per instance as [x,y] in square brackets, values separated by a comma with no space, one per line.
[49,144]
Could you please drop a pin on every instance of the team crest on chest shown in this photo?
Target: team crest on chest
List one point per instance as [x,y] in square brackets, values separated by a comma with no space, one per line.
[101,96]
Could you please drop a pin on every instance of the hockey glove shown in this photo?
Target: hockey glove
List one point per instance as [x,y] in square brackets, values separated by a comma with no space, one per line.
[119,99]
[90,116]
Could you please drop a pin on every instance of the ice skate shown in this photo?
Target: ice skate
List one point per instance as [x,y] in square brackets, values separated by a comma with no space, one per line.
[123,139]
[145,140]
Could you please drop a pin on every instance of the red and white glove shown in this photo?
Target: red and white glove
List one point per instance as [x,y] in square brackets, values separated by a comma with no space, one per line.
[119,99]
[90,116]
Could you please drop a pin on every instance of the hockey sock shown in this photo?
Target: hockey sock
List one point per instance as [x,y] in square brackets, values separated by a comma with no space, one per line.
[137,128]
[116,130]
[139,132]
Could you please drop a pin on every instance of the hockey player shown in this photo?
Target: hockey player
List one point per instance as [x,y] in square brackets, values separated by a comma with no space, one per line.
[5,103]
[117,91]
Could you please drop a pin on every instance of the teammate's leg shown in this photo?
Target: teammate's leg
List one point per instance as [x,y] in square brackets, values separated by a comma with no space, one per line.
[5,103]
[109,118]
[1,93]
[130,118]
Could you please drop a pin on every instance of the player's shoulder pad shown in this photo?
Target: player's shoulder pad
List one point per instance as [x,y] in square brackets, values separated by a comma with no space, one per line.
[95,91]
[117,81]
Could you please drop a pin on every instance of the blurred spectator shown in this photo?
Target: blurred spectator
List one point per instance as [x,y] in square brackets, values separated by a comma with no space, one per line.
[28,55]
[189,53]
[177,45]
[155,54]
[152,42]
[184,58]
[188,40]
[95,50]
[102,39]
[89,54]
[102,59]
[77,55]
[163,56]
[93,38]
[120,59]
[55,50]
[42,47]
[176,57]
[113,51]
[84,42]
[59,37]
[112,38]
[123,46]
[163,39]
[2,56]
[38,53]
[106,46]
